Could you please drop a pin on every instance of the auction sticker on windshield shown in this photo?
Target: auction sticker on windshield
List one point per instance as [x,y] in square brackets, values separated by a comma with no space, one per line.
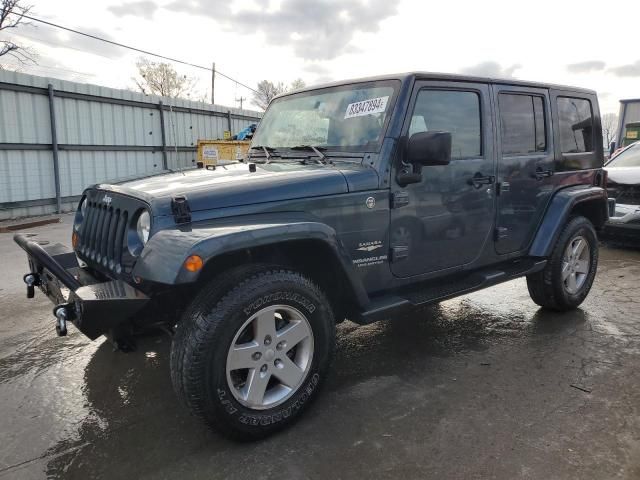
[366,107]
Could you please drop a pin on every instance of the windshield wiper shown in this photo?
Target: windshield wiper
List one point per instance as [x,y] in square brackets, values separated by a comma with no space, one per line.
[321,157]
[267,151]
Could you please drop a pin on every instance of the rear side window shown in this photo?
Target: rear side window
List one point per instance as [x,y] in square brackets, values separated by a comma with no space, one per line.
[522,124]
[457,112]
[575,119]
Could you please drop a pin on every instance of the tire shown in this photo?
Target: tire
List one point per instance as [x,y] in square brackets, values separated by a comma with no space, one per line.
[290,361]
[565,281]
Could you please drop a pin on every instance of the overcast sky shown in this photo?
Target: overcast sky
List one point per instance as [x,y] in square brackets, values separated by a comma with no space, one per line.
[577,43]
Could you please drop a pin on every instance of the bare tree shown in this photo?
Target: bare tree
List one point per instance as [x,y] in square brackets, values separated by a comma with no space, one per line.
[11,16]
[297,84]
[609,128]
[267,90]
[162,79]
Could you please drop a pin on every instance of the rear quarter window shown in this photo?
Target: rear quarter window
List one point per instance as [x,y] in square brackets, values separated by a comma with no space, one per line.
[576,136]
[575,122]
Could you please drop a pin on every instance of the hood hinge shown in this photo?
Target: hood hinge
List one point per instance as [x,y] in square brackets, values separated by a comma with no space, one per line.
[180,209]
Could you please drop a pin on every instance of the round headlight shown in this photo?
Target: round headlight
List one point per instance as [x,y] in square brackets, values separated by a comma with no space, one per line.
[80,214]
[144,227]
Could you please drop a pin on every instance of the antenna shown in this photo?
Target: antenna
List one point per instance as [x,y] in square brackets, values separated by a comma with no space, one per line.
[213,83]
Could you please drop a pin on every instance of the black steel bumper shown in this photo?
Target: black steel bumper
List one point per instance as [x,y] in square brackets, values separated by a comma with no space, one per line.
[93,306]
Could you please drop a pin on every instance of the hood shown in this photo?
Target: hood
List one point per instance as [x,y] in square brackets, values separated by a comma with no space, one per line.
[235,185]
[623,175]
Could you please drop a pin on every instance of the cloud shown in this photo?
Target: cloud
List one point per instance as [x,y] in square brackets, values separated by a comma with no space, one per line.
[318,30]
[142,8]
[629,70]
[491,69]
[586,67]
[53,38]
[316,68]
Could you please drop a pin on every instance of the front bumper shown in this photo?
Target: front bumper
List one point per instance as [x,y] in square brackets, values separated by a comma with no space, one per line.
[624,222]
[93,306]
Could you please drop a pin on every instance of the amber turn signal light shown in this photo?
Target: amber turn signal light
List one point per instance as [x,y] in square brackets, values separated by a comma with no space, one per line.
[193,263]
[74,240]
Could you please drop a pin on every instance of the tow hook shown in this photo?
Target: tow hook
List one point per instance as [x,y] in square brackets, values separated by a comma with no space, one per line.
[32,280]
[62,315]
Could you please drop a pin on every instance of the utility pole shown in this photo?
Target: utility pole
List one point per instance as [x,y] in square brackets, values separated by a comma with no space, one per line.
[241,99]
[213,83]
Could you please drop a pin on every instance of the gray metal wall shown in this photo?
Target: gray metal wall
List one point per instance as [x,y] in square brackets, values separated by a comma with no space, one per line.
[102,134]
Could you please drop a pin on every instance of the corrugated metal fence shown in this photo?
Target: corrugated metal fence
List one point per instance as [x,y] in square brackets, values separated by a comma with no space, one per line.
[57,137]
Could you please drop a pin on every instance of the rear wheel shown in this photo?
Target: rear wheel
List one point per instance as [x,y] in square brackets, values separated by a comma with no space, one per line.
[567,278]
[250,356]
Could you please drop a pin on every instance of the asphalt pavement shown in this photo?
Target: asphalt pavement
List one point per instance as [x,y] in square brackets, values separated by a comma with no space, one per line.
[484,386]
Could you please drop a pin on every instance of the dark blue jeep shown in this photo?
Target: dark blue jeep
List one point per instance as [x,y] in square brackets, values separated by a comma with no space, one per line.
[358,200]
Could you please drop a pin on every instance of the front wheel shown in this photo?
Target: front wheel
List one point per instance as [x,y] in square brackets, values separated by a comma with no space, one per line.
[567,278]
[248,358]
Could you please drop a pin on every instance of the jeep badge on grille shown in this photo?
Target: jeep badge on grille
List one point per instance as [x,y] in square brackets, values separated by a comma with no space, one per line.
[107,200]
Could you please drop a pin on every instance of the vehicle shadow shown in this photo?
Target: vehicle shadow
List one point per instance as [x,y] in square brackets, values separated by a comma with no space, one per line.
[136,425]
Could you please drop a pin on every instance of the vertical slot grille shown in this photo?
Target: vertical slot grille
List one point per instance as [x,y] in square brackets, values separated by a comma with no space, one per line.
[103,236]
[95,244]
[108,213]
[111,238]
[120,241]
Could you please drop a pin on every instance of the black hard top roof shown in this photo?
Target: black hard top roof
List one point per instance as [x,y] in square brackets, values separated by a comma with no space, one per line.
[449,77]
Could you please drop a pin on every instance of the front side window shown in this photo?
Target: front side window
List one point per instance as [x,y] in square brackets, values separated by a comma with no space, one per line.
[456,112]
[575,124]
[522,124]
[348,117]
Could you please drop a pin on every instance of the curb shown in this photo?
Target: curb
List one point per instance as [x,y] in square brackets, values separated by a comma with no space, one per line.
[28,224]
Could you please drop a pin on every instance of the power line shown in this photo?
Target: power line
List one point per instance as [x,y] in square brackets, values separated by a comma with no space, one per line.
[146,52]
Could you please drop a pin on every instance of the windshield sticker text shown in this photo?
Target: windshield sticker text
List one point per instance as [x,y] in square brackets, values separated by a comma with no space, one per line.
[366,107]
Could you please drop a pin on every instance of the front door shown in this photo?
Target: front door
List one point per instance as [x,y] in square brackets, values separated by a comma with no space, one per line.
[445,220]
[525,164]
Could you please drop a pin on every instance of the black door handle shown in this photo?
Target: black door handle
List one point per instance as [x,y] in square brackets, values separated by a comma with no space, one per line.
[478,180]
[541,173]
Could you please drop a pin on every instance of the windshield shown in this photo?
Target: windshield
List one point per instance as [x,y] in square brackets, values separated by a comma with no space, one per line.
[348,117]
[629,158]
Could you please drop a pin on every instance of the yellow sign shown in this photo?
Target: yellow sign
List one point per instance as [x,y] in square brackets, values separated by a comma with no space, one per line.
[632,134]
[226,135]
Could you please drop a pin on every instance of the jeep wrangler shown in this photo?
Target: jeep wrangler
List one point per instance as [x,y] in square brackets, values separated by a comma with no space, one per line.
[357,200]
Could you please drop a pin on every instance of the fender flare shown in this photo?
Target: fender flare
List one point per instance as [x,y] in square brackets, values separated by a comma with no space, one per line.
[557,213]
[163,257]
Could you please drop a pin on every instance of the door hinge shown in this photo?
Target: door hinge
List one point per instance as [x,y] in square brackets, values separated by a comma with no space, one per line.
[181,210]
[399,199]
[501,232]
[399,252]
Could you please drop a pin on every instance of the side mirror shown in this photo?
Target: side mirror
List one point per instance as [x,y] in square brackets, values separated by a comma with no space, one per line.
[429,148]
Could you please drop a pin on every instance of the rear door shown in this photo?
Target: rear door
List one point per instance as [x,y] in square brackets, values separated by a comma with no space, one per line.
[525,164]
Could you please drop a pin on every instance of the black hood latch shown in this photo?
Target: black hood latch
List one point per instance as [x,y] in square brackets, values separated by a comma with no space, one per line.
[180,209]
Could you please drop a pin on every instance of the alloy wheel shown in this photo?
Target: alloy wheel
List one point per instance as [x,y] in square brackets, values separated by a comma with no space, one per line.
[575,264]
[270,357]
